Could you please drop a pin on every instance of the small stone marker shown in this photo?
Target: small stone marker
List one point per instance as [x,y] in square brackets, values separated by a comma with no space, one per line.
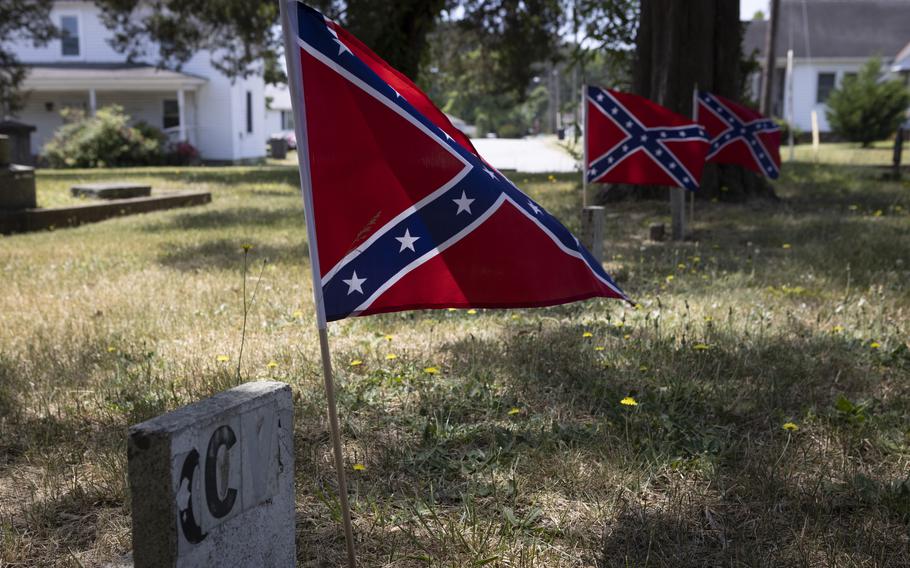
[111,190]
[212,483]
[592,230]
[657,231]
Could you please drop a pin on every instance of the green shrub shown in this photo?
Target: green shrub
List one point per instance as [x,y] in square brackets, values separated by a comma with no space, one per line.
[510,130]
[865,109]
[103,140]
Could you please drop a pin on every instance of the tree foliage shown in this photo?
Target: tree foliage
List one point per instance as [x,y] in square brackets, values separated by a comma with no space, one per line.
[865,109]
[20,19]
[240,34]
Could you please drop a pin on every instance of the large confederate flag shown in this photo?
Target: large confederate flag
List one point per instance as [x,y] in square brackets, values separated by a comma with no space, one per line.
[403,212]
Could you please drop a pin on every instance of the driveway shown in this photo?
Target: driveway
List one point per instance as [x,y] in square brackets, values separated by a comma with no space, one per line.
[531,155]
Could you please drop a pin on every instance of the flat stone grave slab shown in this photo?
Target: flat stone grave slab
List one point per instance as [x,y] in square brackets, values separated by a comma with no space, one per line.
[111,190]
[212,483]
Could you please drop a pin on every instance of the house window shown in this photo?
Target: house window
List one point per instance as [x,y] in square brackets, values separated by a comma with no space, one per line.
[69,41]
[171,114]
[287,120]
[825,86]
[249,112]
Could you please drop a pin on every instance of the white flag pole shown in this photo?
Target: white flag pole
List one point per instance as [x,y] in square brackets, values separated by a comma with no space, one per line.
[295,83]
[584,145]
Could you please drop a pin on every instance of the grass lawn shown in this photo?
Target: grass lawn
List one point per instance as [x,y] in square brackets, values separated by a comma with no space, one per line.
[492,438]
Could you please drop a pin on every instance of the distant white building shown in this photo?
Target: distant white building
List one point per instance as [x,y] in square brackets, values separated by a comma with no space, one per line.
[279,116]
[830,39]
[223,118]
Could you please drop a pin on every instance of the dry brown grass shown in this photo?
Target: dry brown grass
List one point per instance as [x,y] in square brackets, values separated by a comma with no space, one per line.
[106,325]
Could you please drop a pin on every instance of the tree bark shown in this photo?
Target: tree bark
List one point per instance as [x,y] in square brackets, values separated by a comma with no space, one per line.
[679,45]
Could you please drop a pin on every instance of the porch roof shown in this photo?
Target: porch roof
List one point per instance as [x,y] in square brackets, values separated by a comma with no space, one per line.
[107,76]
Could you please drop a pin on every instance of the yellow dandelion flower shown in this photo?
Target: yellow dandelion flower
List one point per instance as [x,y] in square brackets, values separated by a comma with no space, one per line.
[628,401]
[514,316]
[272,364]
[356,363]
[297,314]
[472,312]
[514,410]
[785,246]
[680,265]
[111,349]
[670,278]
[878,213]
[359,467]
[389,338]
[701,347]
[790,427]
[599,348]
[638,307]
[587,334]
[391,356]
[643,368]
[709,318]
[627,336]
[247,247]
[222,358]
[619,324]
[875,345]
[452,309]
[837,329]
[431,370]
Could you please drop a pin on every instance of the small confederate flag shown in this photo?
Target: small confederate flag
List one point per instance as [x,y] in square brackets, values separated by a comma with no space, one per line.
[739,135]
[402,212]
[629,139]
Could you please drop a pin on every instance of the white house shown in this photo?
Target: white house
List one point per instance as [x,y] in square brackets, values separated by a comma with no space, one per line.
[279,115]
[830,39]
[223,118]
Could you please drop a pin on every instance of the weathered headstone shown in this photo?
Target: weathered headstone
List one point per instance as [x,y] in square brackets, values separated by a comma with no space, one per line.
[17,182]
[212,484]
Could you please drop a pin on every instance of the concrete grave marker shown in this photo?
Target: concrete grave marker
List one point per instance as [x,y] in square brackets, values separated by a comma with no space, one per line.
[212,484]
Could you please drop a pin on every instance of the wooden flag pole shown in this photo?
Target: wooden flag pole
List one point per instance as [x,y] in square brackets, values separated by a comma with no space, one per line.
[584,145]
[295,83]
[692,193]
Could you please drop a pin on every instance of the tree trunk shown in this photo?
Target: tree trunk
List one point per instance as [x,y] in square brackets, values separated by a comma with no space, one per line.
[679,45]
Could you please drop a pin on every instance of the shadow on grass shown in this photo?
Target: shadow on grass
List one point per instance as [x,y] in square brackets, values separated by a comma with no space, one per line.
[234,217]
[706,434]
[224,254]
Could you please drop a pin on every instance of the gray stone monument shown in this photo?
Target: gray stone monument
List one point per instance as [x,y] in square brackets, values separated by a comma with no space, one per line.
[212,484]
[17,183]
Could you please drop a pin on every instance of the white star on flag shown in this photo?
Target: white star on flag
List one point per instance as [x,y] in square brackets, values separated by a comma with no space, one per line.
[490,172]
[464,204]
[407,241]
[354,284]
[342,47]
[534,207]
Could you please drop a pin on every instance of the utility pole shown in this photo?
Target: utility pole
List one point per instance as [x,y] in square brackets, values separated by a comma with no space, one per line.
[767,84]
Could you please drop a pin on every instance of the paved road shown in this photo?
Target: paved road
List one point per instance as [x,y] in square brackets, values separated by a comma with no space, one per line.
[532,155]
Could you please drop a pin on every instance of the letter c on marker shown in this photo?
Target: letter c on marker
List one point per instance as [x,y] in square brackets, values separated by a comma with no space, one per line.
[219,507]
[191,530]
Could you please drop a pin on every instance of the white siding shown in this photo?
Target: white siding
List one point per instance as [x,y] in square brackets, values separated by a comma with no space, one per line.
[805,91]
[215,113]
